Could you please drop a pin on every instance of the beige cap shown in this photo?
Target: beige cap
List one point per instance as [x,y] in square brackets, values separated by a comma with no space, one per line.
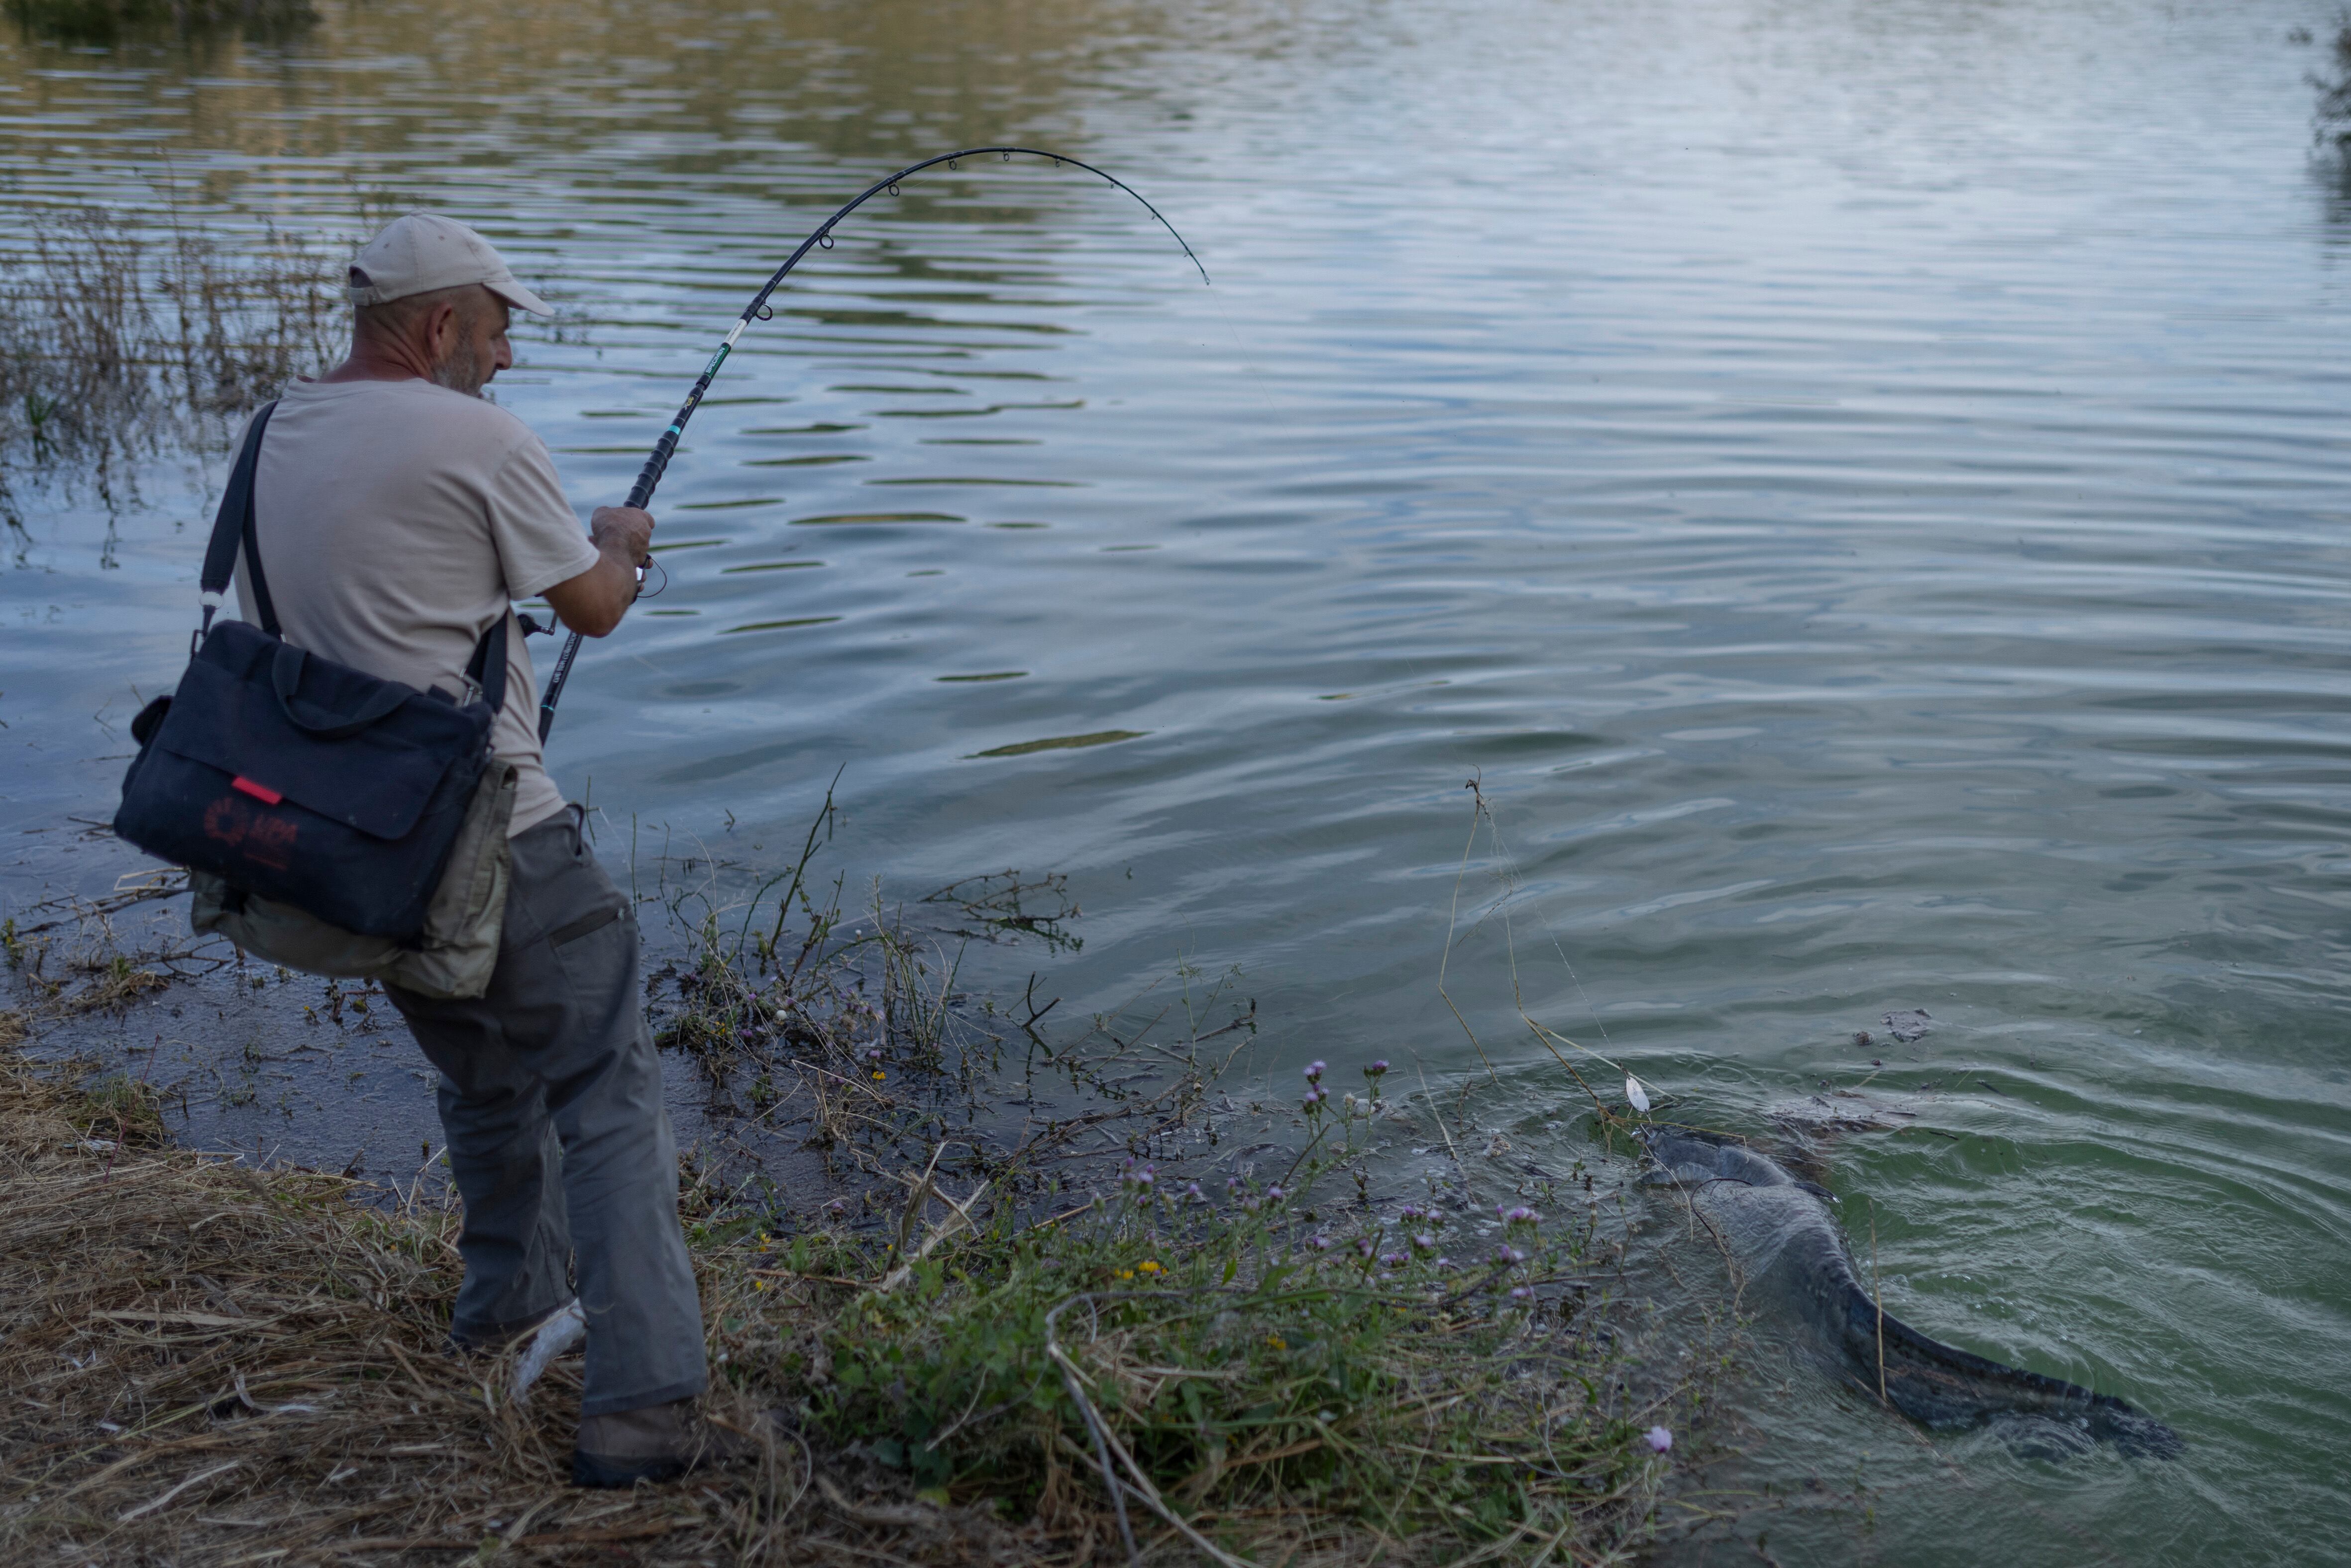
[425,251]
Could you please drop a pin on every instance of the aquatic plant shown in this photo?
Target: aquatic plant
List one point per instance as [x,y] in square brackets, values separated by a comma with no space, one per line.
[121,336]
[2330,118]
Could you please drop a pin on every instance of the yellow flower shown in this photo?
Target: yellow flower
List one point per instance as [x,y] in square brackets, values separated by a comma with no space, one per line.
[1273,1342]
[879,1075]
[1150,1267]
[1126,1273]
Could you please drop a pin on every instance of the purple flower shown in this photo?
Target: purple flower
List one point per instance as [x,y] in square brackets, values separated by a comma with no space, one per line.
[1521,1293]
[1363,1246]
[1660,1438]
[1375,1069]
[1193,1190]
[1394,1260]
[1411,1211]
[1274,1195]
[1314,1070]
[1520,1216]
[1424,1241]
[1443,1262]
[1505,1253]
[1320,1243]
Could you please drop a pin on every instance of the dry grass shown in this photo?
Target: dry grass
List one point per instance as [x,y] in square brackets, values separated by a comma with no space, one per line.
[123,334]
[208,1365]
[68,958]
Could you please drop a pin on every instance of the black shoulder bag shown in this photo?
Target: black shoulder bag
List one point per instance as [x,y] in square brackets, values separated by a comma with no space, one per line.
[299,779]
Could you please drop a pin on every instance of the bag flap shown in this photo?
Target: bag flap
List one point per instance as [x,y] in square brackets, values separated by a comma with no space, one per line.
[227,713]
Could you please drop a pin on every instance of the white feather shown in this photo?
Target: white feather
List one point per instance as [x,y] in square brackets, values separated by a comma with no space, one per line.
[556,1335]
[1636,1094]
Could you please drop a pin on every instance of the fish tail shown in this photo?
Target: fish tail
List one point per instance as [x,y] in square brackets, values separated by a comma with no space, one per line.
[1937,1385]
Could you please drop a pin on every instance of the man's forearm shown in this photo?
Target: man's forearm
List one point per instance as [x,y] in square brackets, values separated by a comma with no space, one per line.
[593,603]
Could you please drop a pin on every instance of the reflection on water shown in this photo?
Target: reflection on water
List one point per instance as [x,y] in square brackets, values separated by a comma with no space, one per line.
[1859,486]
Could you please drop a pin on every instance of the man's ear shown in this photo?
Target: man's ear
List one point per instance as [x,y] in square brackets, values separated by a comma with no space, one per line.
[441,325]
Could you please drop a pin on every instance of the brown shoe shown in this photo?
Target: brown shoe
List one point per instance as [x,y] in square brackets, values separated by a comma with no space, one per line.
[654,1443]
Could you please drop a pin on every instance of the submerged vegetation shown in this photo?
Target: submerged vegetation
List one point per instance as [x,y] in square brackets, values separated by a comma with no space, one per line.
[120,338]
[1092,1301]
[2331,120]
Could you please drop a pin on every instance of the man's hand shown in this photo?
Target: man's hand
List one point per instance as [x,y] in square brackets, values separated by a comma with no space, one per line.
[594,601]
[622,529]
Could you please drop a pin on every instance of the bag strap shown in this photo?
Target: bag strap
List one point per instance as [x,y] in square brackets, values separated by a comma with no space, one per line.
[489,670]
[232,528]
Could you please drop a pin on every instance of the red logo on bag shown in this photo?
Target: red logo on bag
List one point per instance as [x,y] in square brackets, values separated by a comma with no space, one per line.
[264,841]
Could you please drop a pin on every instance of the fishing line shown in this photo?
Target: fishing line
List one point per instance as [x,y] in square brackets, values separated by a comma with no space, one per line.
[657,460]
[1507,873]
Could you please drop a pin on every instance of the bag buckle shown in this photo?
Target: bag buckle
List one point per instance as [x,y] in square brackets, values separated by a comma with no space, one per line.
[211,602]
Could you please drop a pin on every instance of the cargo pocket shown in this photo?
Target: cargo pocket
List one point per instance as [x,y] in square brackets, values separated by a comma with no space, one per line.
[596,953]
[587,925]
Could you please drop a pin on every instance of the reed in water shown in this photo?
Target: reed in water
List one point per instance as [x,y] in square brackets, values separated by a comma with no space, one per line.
[120,337]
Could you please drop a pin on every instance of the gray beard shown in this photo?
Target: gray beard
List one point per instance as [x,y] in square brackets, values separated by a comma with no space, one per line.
[461,372]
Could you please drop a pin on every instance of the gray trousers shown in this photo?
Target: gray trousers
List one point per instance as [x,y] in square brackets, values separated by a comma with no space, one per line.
[551,1099]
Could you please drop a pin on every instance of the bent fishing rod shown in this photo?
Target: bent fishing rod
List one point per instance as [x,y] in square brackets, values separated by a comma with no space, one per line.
[657,461]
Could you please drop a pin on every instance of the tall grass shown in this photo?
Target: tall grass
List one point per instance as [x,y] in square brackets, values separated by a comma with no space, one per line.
[121,336]
[2330,118]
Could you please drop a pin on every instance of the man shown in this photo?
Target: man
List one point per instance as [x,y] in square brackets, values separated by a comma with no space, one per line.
[398,515]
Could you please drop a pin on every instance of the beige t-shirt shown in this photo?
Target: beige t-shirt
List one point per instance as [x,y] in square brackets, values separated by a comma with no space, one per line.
[397,520]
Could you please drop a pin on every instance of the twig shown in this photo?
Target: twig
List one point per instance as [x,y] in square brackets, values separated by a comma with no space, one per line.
[1104,1439]
[940,1232]
[1878,1298]
[152,1504]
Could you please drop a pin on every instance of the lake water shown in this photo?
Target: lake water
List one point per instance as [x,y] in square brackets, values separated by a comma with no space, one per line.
[1860,487]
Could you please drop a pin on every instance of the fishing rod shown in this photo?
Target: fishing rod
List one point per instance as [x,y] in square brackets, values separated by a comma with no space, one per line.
[657,461]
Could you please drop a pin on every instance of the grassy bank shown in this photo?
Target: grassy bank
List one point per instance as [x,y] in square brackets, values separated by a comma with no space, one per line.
[213,1364]
[1144,1315]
